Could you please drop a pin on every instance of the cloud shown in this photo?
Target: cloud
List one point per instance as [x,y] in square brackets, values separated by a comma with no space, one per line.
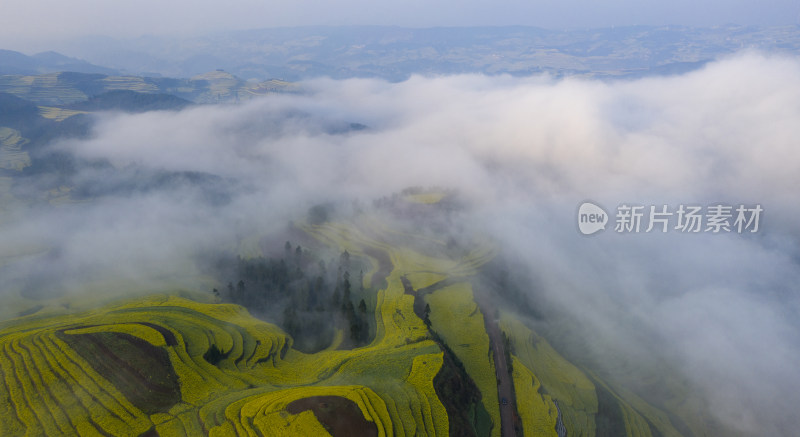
[721,310]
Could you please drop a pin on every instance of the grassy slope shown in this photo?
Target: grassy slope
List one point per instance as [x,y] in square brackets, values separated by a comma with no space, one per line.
[537,411]
[458,320]
[542,373]
[559,378]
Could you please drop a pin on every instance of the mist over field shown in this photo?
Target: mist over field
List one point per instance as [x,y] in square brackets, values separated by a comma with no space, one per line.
[720,310]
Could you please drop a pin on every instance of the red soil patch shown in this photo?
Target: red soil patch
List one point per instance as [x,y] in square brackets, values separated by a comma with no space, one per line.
[340,416]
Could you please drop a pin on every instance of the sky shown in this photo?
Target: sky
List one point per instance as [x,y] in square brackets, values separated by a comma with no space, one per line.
[718,310]
[25,22]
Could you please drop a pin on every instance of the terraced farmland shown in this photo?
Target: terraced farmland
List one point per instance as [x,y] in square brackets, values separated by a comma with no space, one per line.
[12,157]
[186,367]
[65,89]
[126,368]
[167,365]
[46,89]
[58,114]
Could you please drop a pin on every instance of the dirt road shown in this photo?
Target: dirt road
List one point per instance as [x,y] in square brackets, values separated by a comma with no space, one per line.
[505,389]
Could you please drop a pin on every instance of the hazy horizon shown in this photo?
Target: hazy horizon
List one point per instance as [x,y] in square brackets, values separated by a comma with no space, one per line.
[32,27]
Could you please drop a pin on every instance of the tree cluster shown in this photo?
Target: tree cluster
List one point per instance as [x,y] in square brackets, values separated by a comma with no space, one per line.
[301,294]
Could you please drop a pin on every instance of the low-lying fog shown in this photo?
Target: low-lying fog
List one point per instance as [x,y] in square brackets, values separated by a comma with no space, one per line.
[720,309]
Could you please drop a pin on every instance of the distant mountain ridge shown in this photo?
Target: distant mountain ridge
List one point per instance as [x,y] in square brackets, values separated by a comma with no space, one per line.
[395,53]
[69,88]
[12,62]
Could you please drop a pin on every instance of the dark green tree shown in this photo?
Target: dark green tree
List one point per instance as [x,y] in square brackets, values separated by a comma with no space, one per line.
[427,319]
[346,291]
